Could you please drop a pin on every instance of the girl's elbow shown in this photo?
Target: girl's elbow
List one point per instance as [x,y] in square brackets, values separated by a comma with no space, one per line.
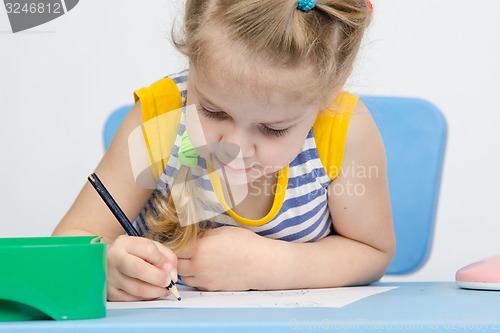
[385,259]
[387,248]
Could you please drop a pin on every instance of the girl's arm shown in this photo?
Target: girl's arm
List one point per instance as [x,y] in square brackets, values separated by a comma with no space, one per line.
[231,258]
[137,268]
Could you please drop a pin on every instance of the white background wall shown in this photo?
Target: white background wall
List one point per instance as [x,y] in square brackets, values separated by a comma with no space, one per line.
[59,81]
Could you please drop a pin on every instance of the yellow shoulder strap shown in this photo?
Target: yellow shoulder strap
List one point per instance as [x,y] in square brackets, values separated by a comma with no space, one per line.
[161,105]
[330,132]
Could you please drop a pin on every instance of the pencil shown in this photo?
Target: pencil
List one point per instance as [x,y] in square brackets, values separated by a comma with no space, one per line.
[112,205]
[173,290]
[122,218]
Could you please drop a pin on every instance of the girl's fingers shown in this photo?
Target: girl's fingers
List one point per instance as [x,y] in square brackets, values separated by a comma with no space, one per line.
[136,268]
[139,268]
[118,295]
[187,253]
[165,251]
[156,254]
[147,250]
[121,288]
[138,289]
[171,261]
[185,268]
[190,281]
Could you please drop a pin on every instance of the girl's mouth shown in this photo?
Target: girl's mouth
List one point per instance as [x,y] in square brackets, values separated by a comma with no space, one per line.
[235,170]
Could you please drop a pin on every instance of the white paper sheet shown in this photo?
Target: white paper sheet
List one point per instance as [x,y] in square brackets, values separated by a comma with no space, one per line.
[191,298]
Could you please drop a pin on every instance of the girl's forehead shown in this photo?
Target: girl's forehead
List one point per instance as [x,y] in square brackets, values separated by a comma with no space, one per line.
[256,78]
[269,87]
[227,62]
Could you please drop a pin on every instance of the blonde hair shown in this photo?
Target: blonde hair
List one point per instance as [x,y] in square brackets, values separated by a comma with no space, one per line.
[325,39]
[323,42]
[163,220]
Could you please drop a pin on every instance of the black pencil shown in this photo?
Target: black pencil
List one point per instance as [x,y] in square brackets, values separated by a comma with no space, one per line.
[121,217]
[112,205]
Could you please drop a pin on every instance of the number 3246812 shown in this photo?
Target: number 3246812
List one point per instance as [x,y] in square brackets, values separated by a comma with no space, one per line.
[33,8]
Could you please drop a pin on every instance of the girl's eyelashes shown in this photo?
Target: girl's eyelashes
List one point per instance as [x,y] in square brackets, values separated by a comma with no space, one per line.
[265,129]
[212,114]
[276,132]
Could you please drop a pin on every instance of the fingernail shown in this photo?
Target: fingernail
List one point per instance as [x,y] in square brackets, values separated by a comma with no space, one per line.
[167,267]
[173,275]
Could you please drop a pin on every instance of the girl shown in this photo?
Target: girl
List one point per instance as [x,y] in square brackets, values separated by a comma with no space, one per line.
[313,210]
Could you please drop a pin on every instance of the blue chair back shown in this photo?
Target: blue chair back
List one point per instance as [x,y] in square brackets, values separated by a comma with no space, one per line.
[112,123]
[414,134]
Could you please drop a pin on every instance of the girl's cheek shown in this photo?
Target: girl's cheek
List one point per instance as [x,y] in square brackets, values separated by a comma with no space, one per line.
[277,157]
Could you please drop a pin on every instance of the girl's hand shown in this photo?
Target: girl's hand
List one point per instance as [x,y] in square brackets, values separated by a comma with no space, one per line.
[139,269]
[225,258]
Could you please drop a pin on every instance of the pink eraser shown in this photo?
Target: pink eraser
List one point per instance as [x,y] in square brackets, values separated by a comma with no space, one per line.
[484,274]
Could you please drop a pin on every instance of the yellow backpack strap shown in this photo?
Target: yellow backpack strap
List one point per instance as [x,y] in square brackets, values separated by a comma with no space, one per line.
[330,132]
[161,105]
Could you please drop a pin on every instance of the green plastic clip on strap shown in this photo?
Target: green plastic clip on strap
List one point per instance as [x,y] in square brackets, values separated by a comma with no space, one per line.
[188,156]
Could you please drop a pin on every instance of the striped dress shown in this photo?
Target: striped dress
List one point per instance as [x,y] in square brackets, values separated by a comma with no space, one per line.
[300,211]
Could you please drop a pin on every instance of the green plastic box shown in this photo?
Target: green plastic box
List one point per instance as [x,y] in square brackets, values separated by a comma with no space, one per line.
[60,277]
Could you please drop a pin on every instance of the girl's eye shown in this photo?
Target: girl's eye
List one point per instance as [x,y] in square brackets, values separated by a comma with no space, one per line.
[222,115]
[212,114]
[276,132]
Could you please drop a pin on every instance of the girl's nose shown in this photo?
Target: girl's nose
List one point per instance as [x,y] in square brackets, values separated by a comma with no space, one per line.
[240,142]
